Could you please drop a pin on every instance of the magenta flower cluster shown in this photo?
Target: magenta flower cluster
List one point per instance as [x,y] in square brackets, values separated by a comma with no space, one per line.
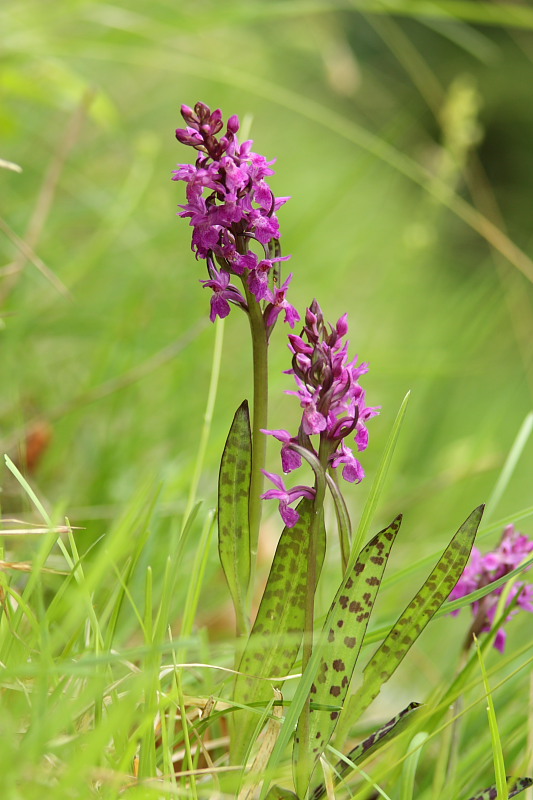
[333,404]
[481,571]
[230,205]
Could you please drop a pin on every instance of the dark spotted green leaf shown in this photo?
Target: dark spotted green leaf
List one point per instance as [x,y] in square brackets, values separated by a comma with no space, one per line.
[516,787]
[276,636]
[417,615]
[369,746]
[233,500]
[341,641]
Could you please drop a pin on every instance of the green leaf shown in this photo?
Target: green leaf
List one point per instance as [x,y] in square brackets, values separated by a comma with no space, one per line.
[341,641]
[416,616]
[407,782]
[276,636]
[497,752]
[518,786]
[369,746]
[233,501]
[279,793]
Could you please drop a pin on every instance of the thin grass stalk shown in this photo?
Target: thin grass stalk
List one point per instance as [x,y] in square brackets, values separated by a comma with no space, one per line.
[511,462]
[208,418]
[186,738]
[529,747]
[167,747]
[497,753]
[147,757]
[378,483]
[407,785]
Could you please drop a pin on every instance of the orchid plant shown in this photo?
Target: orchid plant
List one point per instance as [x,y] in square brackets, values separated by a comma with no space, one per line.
[235,230]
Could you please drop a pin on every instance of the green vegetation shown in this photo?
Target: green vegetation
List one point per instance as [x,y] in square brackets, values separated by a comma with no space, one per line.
[402,132]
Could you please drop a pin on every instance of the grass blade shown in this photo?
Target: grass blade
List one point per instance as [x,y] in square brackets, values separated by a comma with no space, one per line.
[497,752]
[509,467]
[208,417]
[379,480]
[409,768]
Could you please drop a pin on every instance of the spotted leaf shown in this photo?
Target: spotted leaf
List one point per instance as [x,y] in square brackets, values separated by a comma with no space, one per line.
[416,616]
[516,787]
[369,746]
[233,500]
[276,636]
[340,644]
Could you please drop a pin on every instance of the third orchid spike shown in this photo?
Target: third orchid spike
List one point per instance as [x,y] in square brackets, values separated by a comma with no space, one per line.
[513,549]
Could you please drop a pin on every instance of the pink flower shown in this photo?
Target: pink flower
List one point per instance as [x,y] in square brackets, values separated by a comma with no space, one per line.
[480,571]
[286,496]
[230,204]
[224,293]
[290,459]
[352,472]
[280,303]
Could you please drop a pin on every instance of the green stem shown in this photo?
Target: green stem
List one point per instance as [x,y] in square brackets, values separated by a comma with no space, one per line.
[305,768]
[343,518]
[445,774]
[309,623]
[259,421]
[208,418]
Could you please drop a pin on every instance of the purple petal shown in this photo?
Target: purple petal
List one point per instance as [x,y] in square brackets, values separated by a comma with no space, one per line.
[280,434]
[289,515]
[290,459]
[219,307]
[313,421]
[276,480]
[500,639]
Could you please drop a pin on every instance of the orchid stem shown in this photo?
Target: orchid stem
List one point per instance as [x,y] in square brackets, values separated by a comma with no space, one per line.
[259,421]
[305,767]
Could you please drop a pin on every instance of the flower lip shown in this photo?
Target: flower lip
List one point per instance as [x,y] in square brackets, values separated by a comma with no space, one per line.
[286,496]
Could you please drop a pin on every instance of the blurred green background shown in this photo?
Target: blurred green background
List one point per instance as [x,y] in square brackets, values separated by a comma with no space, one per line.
[403,133]
[404,140]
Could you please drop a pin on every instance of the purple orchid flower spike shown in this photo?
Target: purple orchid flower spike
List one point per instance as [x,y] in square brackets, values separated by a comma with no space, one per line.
[286,496]
[230,206]
[332,400]
[513,549]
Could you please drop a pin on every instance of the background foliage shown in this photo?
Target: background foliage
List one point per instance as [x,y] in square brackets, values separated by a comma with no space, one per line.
[404,140]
